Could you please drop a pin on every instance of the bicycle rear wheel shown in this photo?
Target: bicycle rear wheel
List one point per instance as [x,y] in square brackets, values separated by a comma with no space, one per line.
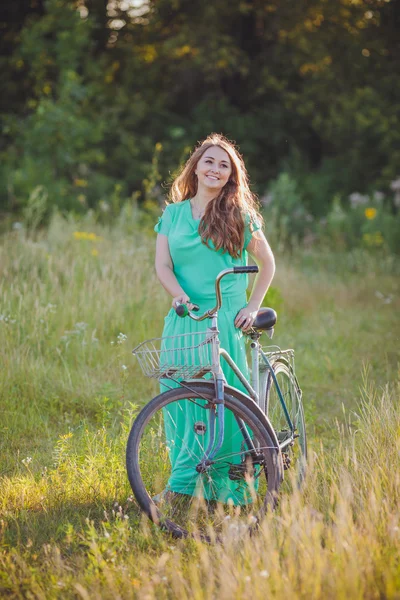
[162,456]
[294,455]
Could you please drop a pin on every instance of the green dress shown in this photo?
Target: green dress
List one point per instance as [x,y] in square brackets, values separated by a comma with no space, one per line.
[196,267]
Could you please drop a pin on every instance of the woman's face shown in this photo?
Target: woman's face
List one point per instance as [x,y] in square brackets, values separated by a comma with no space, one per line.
[213,169]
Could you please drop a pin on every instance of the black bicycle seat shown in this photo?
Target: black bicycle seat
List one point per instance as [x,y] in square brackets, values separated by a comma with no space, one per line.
[265,319]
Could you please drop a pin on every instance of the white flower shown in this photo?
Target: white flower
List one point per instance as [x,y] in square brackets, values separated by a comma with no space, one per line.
[264,574]
[357,199]
[26,461]
[124,367]
[121,338]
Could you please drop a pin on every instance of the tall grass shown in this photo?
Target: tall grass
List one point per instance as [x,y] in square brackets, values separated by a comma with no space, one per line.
[69,390]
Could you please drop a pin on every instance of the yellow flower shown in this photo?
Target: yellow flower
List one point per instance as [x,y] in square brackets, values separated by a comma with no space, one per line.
[373,239]
[370,213]
[84,235]
[94,252]
[80,182]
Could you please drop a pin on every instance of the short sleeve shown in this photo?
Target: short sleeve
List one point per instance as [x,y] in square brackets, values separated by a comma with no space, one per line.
[249,228]
[164,222]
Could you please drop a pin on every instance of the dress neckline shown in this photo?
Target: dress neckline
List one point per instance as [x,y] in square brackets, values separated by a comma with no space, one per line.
[197,221]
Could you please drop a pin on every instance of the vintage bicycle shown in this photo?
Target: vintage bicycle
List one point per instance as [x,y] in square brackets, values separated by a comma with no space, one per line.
[235,449]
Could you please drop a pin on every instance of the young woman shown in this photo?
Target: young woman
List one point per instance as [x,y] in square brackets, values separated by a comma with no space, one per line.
[211,224]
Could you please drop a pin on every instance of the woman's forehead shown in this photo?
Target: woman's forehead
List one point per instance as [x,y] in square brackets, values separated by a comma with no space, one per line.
[217,153]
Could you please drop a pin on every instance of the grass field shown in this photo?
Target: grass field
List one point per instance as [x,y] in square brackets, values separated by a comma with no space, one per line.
[74,301]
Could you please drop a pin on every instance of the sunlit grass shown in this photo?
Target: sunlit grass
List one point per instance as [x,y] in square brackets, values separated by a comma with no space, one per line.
[70,388]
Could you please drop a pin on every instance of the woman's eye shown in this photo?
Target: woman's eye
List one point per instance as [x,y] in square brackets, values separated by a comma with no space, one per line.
[208,161]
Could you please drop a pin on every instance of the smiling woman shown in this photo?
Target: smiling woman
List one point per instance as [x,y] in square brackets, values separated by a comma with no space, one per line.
[212,224]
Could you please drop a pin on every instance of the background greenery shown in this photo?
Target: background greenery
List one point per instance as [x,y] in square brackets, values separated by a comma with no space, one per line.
[102,100]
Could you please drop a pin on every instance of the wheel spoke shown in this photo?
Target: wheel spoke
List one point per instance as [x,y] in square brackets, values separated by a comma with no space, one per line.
[168,442]
[295,454]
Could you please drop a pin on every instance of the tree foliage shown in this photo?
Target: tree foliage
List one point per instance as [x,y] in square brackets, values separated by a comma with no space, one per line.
[90,87]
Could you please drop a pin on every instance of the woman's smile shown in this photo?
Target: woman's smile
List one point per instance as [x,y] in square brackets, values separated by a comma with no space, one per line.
[214,168]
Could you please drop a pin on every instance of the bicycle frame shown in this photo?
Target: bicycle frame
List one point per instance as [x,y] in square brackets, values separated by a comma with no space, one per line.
[252,388]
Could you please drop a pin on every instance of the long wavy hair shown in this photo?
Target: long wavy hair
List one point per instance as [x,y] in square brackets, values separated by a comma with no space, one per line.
[223,222]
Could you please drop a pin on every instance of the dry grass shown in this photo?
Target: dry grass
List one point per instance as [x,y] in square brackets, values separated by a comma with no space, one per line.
[68,527]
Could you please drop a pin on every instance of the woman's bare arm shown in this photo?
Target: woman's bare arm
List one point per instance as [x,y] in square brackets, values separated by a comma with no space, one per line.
[261,253]
[165,272]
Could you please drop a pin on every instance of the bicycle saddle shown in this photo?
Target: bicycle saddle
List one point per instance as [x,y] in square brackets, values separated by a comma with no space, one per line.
[265,319]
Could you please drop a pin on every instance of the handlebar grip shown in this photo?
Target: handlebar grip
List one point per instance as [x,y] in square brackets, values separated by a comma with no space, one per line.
[250,269]
[183,311]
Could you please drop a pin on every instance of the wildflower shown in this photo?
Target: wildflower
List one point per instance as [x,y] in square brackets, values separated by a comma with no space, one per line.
[26,461]
[121,338]
[379,196]
[84,235]
[385,299]
[357,199]
[80,182]
[395,186]
[373,239]
[370,213]
[264,574]
[104,206]
[124,367]
[94,252]
[7,319]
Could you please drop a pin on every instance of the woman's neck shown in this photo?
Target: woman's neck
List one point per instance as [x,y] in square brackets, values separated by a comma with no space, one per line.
[202,198]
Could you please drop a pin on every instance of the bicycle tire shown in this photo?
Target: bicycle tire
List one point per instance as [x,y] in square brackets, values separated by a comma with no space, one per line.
[295,456]
[205,518]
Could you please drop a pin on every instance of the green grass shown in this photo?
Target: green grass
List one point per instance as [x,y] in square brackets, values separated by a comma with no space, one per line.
[68,525]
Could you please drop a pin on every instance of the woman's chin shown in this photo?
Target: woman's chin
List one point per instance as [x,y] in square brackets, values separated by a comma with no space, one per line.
[214,186]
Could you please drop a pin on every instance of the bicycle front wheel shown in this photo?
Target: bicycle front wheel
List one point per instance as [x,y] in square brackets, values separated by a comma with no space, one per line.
[295,453]
[165,450]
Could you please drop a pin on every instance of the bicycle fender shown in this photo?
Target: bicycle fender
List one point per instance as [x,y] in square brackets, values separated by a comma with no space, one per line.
[249,403]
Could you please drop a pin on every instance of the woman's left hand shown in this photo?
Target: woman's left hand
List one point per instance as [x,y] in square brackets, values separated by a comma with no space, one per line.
[245,318]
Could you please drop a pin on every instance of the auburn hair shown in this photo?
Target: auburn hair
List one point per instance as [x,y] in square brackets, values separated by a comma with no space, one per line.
[223,222]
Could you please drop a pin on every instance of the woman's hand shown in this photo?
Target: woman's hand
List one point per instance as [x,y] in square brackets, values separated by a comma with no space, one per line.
[182,299]
[245,317]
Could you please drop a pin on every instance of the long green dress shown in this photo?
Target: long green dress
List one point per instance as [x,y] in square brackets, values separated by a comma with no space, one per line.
[196,267]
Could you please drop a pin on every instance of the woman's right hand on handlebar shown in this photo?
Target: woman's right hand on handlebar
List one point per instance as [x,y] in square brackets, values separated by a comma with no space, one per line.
[182,299]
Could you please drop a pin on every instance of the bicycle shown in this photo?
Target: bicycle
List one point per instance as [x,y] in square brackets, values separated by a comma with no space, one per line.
[229,441]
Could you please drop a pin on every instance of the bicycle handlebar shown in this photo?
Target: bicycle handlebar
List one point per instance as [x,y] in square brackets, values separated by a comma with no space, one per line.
[183,311]
[251,269]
